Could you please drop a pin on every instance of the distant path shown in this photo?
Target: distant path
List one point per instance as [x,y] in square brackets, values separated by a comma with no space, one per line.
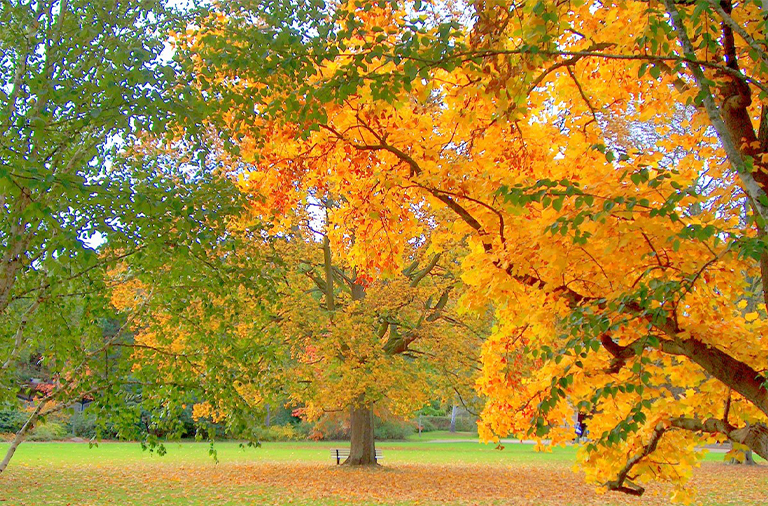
[715,448]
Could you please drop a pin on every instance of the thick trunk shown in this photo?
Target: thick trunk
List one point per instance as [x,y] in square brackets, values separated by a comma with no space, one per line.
[454,411]
[741,377]
[362,451]
[748,459]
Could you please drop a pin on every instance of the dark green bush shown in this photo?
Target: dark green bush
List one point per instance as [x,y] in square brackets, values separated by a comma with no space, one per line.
[11,419]
[393,429]
[427,425]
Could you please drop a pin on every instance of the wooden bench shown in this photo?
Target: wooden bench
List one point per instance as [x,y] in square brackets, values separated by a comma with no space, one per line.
[343,453]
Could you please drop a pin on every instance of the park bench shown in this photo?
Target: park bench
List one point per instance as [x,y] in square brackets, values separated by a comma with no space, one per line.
[343,453]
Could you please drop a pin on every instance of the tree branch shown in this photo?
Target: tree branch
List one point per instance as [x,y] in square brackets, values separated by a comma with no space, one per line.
[733,25]
[755,437]
[750,185]
[417,277]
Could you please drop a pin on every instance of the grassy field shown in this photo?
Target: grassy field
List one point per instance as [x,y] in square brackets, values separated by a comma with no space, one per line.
[414,472]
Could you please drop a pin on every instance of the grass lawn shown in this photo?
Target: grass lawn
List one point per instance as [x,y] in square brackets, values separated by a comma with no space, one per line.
[414,472]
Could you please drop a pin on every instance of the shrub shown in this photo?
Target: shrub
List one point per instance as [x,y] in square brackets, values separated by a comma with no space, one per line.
[303,429]
[277,433]
[392,429]
[82,424]
[464,423]
[331,427]
[335,427]
[427,425]
[49,431]
[11,419]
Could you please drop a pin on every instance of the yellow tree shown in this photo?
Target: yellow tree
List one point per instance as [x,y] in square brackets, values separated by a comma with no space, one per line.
[362,342]
[610,182]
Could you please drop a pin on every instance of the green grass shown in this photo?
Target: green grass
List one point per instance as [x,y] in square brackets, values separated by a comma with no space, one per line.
[431,448]
[189,452]
[414,472]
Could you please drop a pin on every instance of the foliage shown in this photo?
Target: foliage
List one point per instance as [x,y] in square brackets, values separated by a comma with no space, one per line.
[48,431]
[335,427]
[82,424]
[277,433]
[440,423]
[11,418]
[611,183]
[393,341]
[393,429]
[82,81]
[198,313]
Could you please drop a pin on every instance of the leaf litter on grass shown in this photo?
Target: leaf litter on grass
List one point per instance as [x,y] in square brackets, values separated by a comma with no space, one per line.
[541,484]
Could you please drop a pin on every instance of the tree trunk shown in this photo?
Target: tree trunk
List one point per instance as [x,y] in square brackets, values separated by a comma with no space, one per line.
[454,411]
[749,459]
[362,451]
[20,438]
[268,421]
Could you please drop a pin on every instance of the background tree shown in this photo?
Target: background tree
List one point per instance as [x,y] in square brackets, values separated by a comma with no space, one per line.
[363,344]
[199,308]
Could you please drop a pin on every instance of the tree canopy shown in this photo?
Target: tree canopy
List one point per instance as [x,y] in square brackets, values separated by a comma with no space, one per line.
[602,165]
[605,162]
[83,188]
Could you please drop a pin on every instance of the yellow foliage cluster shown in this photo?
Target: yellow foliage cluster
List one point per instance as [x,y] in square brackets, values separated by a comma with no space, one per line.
[600,215]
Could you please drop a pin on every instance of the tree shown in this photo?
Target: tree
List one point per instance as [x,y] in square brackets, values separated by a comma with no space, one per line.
[362,344]
[198,309]
[601,175]
[81,81]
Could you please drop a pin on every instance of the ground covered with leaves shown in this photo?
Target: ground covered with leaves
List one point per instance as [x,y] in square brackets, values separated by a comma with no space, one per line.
[302,474]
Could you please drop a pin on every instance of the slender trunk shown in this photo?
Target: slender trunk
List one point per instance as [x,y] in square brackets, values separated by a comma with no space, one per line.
[329,298]
[362,451]
[19,239]
[454,411]
[268,421]
[20,435]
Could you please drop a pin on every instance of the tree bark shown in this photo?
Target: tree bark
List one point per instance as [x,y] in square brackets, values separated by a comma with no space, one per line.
[454,411]
[20,436]
[362,451]
[328,266]
[749,460]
